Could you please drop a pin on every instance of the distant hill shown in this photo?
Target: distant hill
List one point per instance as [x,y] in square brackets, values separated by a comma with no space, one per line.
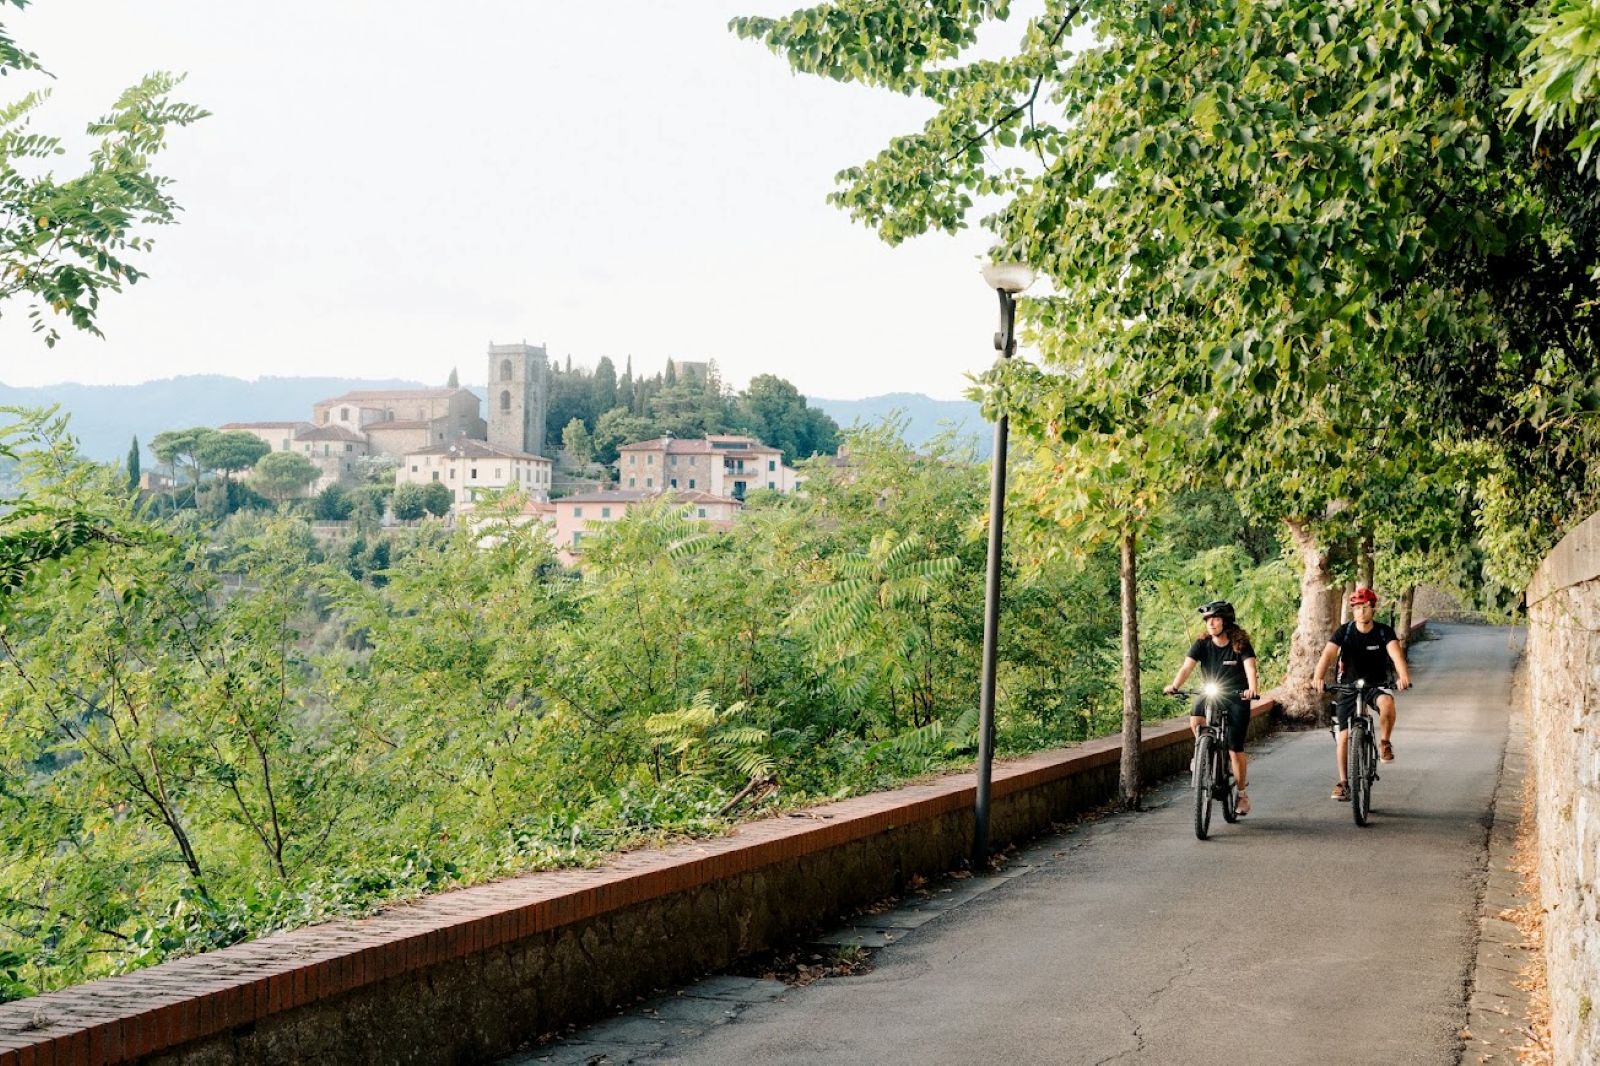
[106,417]
[925,417]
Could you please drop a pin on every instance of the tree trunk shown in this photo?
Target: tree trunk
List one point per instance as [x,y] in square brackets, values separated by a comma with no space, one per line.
[1365,568]
[1341,610]
[1129,784]
[1311,629]
[1407,598]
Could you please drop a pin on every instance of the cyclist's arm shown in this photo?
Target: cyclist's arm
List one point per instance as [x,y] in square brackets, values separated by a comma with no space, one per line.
[1250,679]
[1183,674]
[1330,652]
[1401,670]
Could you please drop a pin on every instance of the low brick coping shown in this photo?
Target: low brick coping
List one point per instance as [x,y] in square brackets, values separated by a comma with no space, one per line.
[117,1019]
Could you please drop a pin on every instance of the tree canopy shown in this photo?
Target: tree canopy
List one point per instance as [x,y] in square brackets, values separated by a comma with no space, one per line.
[66,241]
[1314,236]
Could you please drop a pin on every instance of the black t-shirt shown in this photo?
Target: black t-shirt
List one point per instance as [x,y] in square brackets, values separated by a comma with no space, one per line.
[1222,665]
[1364,656]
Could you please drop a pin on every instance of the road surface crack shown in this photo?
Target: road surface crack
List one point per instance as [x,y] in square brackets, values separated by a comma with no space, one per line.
[1185,968]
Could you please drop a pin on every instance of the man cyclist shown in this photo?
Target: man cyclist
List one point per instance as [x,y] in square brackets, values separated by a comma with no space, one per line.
[1225,657]
[1368,651]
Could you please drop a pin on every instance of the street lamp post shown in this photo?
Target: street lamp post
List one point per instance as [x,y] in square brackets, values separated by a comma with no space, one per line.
[1007,279]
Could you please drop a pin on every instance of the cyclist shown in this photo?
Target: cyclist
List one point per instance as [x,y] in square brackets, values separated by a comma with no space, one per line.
[1368,651]
[1225,657]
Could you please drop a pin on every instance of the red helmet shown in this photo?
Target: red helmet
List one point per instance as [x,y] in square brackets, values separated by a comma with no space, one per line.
[1363,595]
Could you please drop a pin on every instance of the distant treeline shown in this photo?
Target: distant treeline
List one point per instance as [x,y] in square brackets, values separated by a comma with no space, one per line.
[614,411]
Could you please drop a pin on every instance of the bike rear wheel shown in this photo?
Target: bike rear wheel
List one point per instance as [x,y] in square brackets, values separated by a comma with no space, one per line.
[1202,787]
[1358,772]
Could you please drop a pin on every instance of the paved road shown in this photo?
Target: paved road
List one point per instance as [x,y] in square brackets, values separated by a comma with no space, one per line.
[1293,937]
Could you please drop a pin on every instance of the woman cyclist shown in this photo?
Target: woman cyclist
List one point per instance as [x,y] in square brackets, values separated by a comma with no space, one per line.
[1225,658]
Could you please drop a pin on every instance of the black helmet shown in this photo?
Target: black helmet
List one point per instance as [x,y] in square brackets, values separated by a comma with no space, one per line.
[1219,609]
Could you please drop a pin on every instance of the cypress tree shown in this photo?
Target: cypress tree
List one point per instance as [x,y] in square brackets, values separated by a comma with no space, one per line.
[133,465]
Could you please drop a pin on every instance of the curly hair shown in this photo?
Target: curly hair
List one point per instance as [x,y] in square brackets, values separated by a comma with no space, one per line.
[1236,636]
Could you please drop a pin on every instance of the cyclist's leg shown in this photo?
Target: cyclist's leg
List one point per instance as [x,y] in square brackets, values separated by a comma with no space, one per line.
[1343,707]
[1238,729]
[1386,716]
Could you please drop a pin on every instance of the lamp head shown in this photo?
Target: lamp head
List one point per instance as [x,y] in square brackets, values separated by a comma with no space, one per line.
[1008,277]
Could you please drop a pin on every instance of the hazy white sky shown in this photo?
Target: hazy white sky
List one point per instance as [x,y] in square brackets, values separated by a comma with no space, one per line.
[385,187]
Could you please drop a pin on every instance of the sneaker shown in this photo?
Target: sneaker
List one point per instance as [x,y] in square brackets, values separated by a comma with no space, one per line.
[1385,751]
[1244,805]
[1341,792]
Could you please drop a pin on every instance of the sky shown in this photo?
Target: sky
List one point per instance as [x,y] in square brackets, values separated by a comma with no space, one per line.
[385,188]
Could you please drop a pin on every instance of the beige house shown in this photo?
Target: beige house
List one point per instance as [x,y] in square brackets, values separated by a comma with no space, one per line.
[722,465]
[399,421]
[334,451]
[470,467]
[576,516]
[279,436]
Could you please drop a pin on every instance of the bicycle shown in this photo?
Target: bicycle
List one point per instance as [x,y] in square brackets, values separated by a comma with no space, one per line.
[1361,747]
[1212,777]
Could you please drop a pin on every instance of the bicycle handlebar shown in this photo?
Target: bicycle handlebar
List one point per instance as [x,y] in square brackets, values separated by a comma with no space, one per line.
[1344,686]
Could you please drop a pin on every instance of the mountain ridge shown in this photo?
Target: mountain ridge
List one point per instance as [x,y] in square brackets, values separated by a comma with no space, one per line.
[105,418]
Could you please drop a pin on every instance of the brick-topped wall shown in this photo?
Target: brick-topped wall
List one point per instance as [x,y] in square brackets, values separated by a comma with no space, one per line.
[474,973]
[1564,749]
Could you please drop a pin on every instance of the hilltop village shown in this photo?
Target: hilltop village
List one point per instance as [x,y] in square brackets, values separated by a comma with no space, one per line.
[437,448]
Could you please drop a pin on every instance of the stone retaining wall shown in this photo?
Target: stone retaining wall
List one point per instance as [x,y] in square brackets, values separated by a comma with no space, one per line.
[1564,681]
[468,975]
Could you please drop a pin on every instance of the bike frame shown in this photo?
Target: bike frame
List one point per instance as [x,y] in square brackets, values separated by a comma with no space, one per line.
[1362,743]
[1215,734]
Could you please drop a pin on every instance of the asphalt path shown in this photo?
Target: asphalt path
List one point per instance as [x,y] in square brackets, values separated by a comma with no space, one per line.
[1292,937]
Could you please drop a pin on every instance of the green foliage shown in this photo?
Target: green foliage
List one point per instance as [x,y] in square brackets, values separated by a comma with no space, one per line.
[217,729]
[231,451]
[1299,247]
[1558,73]
[578,442]
[436,499]
[66,242]
[408,502]
[133,466]
[283,475]
[333,504]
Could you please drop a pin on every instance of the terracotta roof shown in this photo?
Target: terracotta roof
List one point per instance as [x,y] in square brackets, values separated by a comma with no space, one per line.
[329,432]
[265,425]
[469,448]
[608,496]
[397,423]
[696,496]
[371,395]
[674,445]
[749,444]
[684,446]
[690,496]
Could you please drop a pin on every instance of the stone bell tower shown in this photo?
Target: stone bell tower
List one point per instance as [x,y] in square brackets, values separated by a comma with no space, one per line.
[518,392]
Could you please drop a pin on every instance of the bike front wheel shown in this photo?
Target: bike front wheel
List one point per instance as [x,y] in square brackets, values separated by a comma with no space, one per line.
[1228,785]
[1202,787]
[1359,772]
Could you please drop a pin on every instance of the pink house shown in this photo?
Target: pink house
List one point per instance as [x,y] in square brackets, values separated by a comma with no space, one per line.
[576,516]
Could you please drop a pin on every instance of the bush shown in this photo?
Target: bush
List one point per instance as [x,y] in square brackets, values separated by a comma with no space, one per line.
[333,504]
[408,502]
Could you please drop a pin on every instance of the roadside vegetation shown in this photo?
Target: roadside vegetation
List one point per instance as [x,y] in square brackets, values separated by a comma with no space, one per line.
[214,728]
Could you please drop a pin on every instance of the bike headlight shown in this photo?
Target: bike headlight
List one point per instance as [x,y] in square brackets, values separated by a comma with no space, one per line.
[1211,688]
[1361,682]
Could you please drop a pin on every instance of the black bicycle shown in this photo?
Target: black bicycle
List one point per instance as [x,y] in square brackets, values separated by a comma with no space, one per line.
[1212,777]
[1361,749]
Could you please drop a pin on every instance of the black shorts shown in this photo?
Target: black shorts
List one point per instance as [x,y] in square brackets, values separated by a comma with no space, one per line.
[1238,712]
[1344,704]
